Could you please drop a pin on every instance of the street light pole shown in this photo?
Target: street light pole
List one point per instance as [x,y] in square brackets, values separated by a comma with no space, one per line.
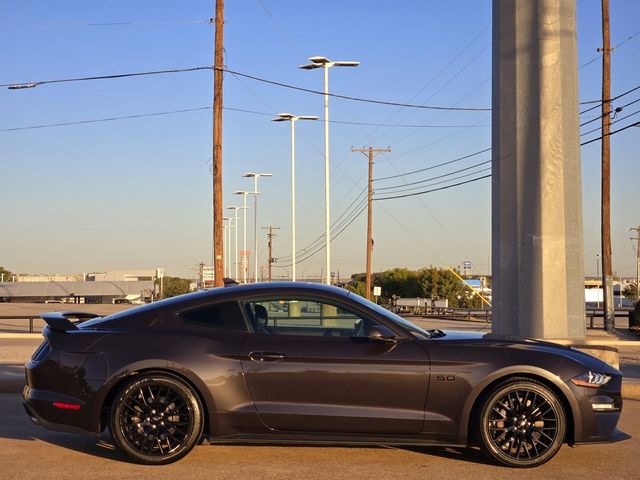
[235,208]
[227,229]
[637,230]
[283,117]
[255,216]
[598,276]
[229,246]
[245,261]
[325,63]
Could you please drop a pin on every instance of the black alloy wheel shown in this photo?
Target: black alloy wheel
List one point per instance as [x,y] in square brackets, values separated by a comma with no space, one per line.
[156,419]
[522,423]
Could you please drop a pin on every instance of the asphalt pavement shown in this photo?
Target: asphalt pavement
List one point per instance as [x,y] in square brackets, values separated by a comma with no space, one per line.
[31,452]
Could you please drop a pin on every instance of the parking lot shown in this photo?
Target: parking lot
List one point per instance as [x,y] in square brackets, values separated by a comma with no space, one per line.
[28,451]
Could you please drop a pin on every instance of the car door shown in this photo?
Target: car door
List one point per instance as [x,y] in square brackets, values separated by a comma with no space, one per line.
[309,366]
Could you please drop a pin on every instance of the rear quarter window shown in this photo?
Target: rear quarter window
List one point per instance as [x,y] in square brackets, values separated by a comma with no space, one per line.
[222,316]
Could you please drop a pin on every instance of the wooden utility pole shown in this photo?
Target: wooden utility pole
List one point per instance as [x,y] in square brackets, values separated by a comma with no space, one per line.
[270,237]
[370,153]
[607,270]
[218,244]
[637,230]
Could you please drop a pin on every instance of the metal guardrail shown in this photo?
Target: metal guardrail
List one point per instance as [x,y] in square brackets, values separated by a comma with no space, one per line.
[486,315]
[22,317]
[592,314]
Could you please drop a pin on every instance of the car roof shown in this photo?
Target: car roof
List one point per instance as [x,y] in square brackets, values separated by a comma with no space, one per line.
[230,292]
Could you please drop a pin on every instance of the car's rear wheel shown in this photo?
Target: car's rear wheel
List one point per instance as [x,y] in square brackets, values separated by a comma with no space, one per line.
[522,423]
[156,419]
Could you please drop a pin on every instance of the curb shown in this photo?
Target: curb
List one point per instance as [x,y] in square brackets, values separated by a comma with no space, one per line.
[20,335]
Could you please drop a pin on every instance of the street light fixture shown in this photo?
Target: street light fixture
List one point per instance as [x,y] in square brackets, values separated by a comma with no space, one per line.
[233,207]
[288,117]
[326,64]
[255,216]
[245,261]
[20,86]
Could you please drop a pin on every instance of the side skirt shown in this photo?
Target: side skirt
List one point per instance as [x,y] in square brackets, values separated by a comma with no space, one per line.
[329,440]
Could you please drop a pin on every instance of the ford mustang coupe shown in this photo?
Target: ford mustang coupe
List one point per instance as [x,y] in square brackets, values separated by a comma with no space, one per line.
[308,363]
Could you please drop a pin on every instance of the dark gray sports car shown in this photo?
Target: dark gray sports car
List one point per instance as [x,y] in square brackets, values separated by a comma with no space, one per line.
[307,363]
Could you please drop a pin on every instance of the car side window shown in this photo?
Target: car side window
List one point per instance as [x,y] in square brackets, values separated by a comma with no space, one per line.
[297,316]
[222,316]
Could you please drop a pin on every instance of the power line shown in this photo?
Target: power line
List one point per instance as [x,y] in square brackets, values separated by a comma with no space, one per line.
[636,124]
[167,22]
[116,24]
[434,166]
[434,78]
[15,86]
[107,119]
[426,180]
[366,124]
[597,57]
[436,183]
[369,100]
[356,99]
[333,237]
[600,102]
[402,139]
[21,85]
[434,189]
[615,110]
[612,123]
[341,220]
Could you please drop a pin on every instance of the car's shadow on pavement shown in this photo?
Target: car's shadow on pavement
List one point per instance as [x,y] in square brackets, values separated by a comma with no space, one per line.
[101,446]
[471,455]
[17,426]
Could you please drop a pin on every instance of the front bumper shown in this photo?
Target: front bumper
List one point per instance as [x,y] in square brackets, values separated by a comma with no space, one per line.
[592,423]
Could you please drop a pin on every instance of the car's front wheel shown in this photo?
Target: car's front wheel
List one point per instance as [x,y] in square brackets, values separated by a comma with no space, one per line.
[522,423]
[156,419]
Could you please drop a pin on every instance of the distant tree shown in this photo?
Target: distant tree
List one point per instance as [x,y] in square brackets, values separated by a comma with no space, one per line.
[630,291]
[356,287]
[7,274]
[400,282]
[442,283]
[173,286]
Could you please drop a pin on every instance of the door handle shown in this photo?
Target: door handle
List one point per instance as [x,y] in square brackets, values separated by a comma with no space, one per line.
[266,356]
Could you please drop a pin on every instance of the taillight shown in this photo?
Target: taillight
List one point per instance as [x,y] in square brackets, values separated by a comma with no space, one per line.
[66,406]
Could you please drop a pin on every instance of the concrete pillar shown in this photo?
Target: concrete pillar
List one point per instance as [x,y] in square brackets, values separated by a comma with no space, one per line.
[538,280]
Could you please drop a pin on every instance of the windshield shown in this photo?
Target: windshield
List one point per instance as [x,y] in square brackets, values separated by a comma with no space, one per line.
[416,330]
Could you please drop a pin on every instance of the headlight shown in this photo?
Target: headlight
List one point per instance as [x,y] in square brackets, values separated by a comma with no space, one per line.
[591,379]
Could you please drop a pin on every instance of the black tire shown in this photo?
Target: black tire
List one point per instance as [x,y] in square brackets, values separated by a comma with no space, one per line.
[522,423]
[156,419]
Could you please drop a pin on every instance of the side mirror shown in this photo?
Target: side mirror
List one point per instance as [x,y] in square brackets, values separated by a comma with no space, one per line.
[380,332]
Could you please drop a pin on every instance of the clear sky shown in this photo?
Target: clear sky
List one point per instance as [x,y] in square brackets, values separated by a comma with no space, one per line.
[136,193]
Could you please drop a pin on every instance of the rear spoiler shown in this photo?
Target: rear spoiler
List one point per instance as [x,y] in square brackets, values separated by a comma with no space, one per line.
[60,322]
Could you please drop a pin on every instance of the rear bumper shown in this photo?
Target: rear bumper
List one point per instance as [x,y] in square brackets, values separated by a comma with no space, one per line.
[38,419]
[39,405]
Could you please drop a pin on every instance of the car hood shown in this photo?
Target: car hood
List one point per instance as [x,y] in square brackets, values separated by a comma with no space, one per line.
[491,340]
